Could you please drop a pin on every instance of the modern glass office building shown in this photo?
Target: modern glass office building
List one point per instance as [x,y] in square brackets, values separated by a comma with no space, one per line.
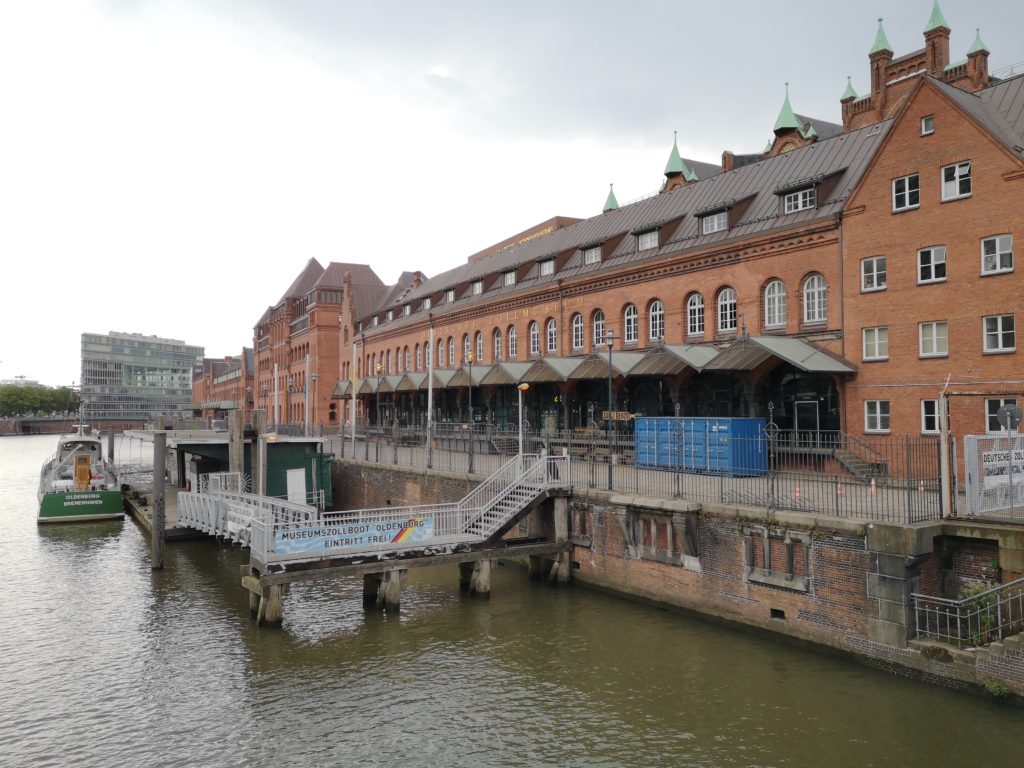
[132,377]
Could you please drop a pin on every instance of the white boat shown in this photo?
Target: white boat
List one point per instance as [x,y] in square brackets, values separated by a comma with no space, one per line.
[77,483]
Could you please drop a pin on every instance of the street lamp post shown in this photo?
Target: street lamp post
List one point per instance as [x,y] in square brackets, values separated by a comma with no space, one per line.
[469,361]
[609,339]
[380,429]
[266,391]
[522,388]
[313,400]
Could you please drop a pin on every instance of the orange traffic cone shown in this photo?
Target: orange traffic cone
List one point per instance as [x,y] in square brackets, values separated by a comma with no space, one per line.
[874,490]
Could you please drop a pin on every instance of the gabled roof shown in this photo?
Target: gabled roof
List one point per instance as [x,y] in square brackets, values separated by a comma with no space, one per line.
[748,352]
[334,276]
[990,119]
[1007,98]
[822,128]
[305,281]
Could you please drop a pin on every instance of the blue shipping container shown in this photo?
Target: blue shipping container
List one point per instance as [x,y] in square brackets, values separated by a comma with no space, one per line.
[731,446]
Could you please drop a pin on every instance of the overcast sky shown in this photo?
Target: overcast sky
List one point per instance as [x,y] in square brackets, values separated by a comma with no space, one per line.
[168,168]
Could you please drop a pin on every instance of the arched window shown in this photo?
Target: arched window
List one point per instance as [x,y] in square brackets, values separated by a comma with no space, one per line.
[726,310]
[597,326]
[429,353]
[695,315]
[419,358]
[534,338]
[387,366]
[815,300]
[467,347]
[656,321]
[630,324]
[497,345]
[775,304]
[552,336]
[512,343]
[405,368]
[479,347]
[577,331]
[451,352]
[440,353]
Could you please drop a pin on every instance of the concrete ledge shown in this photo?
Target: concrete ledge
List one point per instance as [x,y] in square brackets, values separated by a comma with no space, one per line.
[789,517]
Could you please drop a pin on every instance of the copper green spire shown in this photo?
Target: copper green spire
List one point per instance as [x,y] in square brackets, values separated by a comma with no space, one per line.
[610,204]
[936,21]
[675,162]
[977,46]
[881,41]
[849,93]
[787,118]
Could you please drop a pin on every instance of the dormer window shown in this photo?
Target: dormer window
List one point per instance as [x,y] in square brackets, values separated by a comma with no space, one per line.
[547,267]
[376,321]
[800,200]
[426,302]
[714,222]
[391,315]
[508,278]
[449,296]
[593,255]
[406,310]
[359,326]
[478,287]
[647,240]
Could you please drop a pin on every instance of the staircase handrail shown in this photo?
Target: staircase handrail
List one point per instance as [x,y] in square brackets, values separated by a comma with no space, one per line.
[991,614]
[845,437]
[507,474]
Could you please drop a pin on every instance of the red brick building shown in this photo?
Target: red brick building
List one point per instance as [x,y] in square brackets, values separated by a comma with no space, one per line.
[224,385]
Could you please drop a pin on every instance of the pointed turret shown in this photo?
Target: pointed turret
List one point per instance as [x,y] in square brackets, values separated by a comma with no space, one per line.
[849,93]
[610,203]
[787,120]
[674,167]
[977,46]
[881,41]
[936,20]
[977,63]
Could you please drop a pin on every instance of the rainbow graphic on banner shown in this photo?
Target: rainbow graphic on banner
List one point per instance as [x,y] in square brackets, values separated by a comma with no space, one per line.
[416,528]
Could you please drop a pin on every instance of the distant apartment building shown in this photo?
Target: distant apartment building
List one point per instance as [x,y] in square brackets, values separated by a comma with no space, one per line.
[224,385]
[129,377]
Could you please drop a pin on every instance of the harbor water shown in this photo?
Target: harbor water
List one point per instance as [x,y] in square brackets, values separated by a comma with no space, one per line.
[104,662]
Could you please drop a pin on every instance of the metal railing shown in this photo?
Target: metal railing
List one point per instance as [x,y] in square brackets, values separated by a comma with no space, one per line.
[885,478]
[973,621]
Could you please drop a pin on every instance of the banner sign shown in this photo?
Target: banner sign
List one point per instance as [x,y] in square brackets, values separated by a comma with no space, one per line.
[995,468]
[357,535]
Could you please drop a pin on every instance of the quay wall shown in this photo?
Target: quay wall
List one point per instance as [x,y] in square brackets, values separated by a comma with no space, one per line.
[840,583]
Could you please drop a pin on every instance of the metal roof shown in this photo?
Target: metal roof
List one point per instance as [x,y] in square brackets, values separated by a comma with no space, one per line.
[1007,98]
[985,114]
[548,369]
[461,377]
[670,359]
[748,352]
[411,382]
[595,365]
[509,372]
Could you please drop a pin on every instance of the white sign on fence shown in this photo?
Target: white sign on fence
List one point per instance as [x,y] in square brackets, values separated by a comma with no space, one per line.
[996,466]
[995,476]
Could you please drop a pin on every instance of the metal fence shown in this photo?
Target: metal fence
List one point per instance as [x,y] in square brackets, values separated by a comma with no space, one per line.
[975,620]
[885,479]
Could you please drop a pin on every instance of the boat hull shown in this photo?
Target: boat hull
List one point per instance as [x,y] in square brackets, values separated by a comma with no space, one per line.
[80,506]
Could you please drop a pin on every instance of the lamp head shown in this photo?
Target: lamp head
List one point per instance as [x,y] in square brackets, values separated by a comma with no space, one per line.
[523,387]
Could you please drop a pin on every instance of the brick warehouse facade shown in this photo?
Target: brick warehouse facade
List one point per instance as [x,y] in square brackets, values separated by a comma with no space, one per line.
[827,237]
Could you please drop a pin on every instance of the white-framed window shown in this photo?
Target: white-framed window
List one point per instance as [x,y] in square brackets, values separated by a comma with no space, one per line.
[419,357]
[390,315]
[451,351]
[656,320]
[999,334]
[552,336]
[929,417]
[800,200]
[376,321]
[406,368]
[426,302]
[508,278]
[547,267]
[992,406]
[597,326]
[513,343]
[928,125]
[726,310]
[997,254]
[695,315]
[406,310]
[647,240]
[387,364]
[592,255]
[775,304]
[956,181]
[534,338]
[714,222]
[449,296]
[933,338]
[429,352]
[931,264]
[498,348]
[577,331]
[906,192]
[876,415]
[478,287]
[440,354]
[479,347]
[876,343]
[815,299]
[872,274]
[467,347]
[630,324]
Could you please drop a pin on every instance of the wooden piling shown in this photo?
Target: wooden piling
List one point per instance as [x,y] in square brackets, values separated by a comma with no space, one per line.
[480,583]
[159,496]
